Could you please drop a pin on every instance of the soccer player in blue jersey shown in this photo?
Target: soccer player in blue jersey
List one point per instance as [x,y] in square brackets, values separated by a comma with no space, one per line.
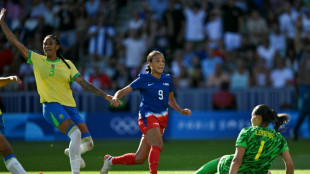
[156,93]
[53,75]
[10,161]
[256,147]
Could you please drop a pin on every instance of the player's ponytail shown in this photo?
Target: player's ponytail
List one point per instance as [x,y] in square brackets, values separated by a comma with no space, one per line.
[280,119]
[270,116]
[150,58]
[58,54]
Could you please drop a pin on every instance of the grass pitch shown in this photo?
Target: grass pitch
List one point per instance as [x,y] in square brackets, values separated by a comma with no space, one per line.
[177,157]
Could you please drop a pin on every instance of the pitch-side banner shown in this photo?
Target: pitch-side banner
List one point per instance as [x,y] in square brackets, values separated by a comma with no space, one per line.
[221,124]
[118,125]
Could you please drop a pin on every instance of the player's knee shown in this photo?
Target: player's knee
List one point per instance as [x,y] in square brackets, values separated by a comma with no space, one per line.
[160,145]
[140,160]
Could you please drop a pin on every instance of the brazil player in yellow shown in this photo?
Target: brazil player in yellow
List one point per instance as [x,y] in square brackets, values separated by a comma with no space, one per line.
[10,161]
[256,147]
[54,75]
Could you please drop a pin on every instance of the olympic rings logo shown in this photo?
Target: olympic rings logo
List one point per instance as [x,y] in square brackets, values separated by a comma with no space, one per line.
[126,125]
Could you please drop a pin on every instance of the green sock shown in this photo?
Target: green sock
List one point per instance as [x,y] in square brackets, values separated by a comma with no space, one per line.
[209,168]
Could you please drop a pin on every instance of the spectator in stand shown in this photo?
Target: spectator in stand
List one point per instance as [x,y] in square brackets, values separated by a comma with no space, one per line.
[92,7]
[261,74]
[174,21]
[16,10]
[161,40]
[67,27]
[267,52]
[197,79]
[101,36]
[194,22]
[82,23]
[26,74]
[177,63]
[240,77]
[135,23]
[214,28]
[306,22]
[49,14]
[224,99]
[281,76]
[277,40]
[218,77]
[6,55]
[121,77]
[99,79]
[209,63]
[287,20]
[232,25]
[158,7]
[256,27]
[183,80]
[188,54]
[135,49]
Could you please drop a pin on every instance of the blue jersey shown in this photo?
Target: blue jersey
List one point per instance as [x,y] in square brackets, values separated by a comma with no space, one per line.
[154,93]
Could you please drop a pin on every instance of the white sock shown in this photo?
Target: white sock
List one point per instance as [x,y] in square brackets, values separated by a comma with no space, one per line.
[87,146]
[74,150]
[14,166]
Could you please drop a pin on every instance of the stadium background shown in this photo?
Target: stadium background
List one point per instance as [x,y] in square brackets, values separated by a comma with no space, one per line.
[135,27]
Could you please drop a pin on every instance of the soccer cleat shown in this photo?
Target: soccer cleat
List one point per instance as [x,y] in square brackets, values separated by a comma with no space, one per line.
[82,162]
[66,151]
[107,164]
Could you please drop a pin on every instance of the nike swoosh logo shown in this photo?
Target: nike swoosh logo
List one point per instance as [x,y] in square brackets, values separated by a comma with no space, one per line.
[150,84]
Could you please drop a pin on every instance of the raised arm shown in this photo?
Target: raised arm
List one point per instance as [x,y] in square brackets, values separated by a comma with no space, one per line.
[91,88]
[237,160]
[119,94]
[289,166]
[5,80]
[11,37]
[173,103]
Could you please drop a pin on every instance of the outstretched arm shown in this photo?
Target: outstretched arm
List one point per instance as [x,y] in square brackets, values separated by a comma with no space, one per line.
[237,160]
[119,94]
[289,166]
[173,103]
[11,37]
[5,80]
[91,88]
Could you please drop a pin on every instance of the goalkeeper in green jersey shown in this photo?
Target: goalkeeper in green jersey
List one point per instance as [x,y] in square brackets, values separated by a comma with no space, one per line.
[256,147]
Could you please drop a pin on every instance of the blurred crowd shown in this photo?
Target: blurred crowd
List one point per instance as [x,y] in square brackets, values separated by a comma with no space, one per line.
[246,43]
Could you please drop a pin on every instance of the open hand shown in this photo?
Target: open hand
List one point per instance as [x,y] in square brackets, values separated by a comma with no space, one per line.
[14,78]
[186,112]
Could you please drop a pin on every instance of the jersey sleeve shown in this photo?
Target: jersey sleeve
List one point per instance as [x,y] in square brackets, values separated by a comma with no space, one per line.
[136,84]
[73,71]
[242,138]
[285,146]
[33,57]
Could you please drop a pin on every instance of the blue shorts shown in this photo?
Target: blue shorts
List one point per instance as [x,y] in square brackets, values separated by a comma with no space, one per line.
[56,113]
[1,124]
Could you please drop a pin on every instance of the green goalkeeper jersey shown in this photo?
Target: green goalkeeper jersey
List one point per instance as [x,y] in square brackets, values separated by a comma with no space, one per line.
[262,145]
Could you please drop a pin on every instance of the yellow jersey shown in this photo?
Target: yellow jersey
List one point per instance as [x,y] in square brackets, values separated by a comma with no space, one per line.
[53,79]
